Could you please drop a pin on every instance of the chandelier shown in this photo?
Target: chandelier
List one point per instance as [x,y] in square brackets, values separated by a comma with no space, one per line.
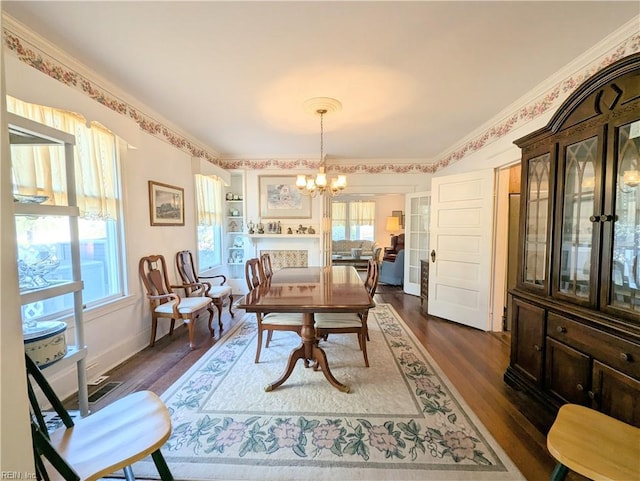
[320,184]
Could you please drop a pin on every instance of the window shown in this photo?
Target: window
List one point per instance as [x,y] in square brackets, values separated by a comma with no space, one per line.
[353,220]
[209,209]
[44,241]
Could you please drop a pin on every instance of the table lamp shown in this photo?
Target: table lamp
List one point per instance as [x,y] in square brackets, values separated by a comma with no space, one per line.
[393,225]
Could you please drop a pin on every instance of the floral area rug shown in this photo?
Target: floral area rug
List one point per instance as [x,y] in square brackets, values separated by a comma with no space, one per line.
[401,420]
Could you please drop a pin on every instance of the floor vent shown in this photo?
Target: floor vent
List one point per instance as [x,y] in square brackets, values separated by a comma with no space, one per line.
[53,421]
[105,389]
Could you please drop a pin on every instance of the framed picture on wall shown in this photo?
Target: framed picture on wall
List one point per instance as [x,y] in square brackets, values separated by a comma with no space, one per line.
[281,199]
[166,204]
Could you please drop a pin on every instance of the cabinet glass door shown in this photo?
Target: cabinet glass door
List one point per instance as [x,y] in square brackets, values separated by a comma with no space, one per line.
[537,220]
[625,269]
[577,209]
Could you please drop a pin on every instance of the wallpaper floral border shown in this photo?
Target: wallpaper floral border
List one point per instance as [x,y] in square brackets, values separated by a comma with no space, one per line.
[35,57]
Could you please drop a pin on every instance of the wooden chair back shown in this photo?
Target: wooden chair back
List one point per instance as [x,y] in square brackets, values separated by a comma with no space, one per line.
[153,272]
[371,282]
[186,269]
[252,272]
[267,269]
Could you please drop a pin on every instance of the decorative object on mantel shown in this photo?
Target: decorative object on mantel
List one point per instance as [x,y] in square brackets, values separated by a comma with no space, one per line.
[311,230]
[319,185]
[289,230]
[274,227]
[251,226]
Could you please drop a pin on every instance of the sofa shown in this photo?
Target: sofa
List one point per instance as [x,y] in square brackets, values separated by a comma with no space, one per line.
[343,247]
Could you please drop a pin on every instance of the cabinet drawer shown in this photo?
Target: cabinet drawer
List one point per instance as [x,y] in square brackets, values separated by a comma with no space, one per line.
[612,350]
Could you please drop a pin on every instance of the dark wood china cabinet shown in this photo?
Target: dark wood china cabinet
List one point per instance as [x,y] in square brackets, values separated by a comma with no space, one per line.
[575,310]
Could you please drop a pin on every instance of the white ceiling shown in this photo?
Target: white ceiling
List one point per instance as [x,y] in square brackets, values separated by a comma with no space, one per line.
[414,78]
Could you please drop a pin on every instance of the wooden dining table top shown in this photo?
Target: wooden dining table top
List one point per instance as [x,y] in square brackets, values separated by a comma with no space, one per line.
[310,289]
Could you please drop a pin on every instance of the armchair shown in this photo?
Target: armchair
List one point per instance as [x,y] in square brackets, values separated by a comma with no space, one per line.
[392,272]
[166,303]
[194,284]
[397,244]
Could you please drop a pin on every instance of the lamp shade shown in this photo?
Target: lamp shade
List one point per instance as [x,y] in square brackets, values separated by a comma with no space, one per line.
[393,224]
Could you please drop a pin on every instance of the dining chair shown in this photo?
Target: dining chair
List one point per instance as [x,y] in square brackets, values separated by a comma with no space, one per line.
[265,263]
[348,322]
[272,321]
[95,446]
[193,284]
[166,303]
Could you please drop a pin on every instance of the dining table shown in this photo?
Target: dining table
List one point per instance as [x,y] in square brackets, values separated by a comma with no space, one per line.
[309,290]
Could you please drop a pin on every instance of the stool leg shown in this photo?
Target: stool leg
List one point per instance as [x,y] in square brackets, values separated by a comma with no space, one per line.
[559,472]
[128,473]
[161,466]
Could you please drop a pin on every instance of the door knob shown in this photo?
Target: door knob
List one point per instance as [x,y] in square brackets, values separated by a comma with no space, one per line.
[433,256]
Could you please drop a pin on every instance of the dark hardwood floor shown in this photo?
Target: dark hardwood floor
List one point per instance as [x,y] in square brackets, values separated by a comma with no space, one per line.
[473,360]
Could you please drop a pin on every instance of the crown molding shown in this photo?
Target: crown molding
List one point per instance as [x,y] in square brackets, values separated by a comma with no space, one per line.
[37,52]
[548,95]
[42,55]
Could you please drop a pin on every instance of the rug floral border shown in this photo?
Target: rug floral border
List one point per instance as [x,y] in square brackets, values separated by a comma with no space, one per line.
[444,438]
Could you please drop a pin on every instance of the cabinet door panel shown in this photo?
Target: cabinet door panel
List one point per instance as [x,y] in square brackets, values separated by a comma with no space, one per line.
[527,341]
[578,206]
[616,394]
[568,373]
[534,261]
[624,268]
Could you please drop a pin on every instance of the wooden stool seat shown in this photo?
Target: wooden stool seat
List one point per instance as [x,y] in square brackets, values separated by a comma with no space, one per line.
[114,437]
[594,445]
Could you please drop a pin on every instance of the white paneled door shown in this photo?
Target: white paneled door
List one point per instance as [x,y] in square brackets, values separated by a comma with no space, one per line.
[416,239]
[460,248]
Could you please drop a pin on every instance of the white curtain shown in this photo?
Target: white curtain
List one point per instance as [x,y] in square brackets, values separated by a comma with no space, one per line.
[362,213]
[40,170]
[339,211]
[209,200]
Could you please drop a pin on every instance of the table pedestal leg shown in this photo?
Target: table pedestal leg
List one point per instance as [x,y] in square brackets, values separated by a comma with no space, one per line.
[308,350]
